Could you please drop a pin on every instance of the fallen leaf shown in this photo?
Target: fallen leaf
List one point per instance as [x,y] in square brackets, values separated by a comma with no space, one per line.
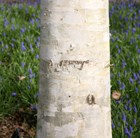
[21,77]
[116,95]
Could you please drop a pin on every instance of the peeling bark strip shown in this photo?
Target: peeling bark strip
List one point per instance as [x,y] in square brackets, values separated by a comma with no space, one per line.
[74,86]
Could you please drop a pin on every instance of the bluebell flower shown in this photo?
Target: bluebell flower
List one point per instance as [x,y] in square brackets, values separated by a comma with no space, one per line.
[126,19]
[129,101]
[37,45]
[13,27]
[119,51]
[37,56]
[38,1]
[117,38]
[22,64]
[35,4]
[22,30]
[113,9]
[138,24]
[112,39]
[29,87]
[123,117]
[131,80]
[12,45]
[135,109]
[126,32]
[38,38]
[5,22]
[23,48]
[30,71]
[29,2]
[31,47]
[123,64]
[120,17]
[119,82]
[136,89]
[125,107]
[129,108]
[134,121]
[33,107]
[119,74]
[37,20]
[133,30]
[122,87]
[32,21]
[138,51]
[118,101]
[113,126]
[6,46]
[126,131]
[135,76]
[32,75]
[14,94]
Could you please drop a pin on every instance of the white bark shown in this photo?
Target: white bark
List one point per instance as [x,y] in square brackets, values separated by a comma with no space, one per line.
[74,86]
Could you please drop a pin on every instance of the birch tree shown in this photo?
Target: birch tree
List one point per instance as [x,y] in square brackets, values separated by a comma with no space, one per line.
[74,85]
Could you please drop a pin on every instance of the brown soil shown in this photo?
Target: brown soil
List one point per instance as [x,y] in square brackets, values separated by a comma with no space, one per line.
[24,120]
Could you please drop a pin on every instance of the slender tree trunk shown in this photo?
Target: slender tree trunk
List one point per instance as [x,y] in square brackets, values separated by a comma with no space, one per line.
[74,99]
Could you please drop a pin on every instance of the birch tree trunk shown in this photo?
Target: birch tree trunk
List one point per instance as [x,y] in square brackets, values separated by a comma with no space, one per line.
[74,99]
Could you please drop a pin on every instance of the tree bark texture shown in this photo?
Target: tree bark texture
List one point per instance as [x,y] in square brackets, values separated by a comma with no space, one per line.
[74,99]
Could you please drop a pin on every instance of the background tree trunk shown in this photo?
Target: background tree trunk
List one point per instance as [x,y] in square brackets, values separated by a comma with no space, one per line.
[74,99]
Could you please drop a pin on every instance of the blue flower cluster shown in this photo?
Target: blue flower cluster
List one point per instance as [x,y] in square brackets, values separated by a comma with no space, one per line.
[125,75]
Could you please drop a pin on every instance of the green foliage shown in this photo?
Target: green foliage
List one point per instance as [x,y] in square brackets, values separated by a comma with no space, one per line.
[125,75]
[19,62]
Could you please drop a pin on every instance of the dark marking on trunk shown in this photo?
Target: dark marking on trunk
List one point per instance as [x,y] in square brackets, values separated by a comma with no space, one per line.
[90,99]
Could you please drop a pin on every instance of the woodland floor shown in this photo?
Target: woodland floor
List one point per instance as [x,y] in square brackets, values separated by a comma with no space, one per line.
[25,121]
